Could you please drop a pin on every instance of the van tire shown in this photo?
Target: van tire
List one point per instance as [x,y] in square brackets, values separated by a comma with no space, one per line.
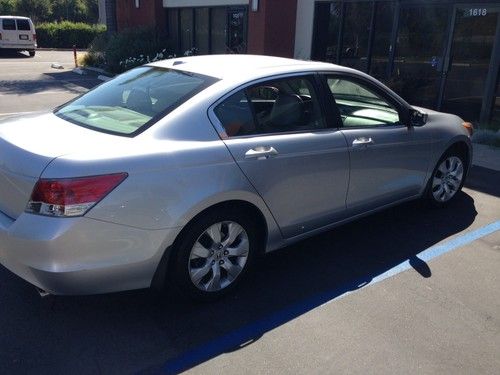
[32,53]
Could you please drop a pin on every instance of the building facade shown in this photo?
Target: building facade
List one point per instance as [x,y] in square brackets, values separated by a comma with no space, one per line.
[439,54]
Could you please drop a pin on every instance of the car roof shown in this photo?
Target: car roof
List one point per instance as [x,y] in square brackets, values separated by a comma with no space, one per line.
[230,66]
[16,17]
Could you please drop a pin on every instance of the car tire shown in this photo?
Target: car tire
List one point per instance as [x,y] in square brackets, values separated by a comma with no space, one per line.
[447,179]
[214,254]
[32,53]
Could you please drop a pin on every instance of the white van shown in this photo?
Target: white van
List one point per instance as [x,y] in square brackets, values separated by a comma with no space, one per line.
[17,33]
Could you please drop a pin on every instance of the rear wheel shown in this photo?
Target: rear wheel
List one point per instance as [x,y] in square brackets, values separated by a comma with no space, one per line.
[214,254]
[447,179]
[32,53]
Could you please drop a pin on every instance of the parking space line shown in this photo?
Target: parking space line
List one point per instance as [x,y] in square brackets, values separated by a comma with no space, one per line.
[247,333]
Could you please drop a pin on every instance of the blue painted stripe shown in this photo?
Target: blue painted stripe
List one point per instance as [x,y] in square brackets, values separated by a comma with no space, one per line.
[246,333]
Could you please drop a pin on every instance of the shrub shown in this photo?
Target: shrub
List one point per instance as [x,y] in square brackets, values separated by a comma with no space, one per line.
[132,43]
[66,34]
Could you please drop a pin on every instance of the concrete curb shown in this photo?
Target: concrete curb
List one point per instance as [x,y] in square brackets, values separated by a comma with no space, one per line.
[60,49]
[486,156]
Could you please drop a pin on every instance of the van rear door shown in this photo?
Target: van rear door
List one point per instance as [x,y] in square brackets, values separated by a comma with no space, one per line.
[9,31]
[24,31]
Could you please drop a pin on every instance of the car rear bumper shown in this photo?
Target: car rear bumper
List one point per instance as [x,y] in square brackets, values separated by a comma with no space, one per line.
[18,47]
[80,255]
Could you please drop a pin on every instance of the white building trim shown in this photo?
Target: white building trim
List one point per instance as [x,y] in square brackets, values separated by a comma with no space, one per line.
[304,29]
[201,3]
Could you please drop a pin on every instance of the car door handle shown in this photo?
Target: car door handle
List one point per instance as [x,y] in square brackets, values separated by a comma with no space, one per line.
[261,153]
[362,141]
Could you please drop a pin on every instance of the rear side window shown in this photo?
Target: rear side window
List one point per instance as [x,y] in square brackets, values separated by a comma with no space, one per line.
[8,24]
[279,106]
[23,25]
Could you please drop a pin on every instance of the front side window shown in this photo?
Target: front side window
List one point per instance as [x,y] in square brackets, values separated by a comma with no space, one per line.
[284,105]
[131,102]
[9,24]
[361,106]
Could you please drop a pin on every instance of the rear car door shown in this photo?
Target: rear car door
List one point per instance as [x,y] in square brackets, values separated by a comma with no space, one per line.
[278,134]
[388,159]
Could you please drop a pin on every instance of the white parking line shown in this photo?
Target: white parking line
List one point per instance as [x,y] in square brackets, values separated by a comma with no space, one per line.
[17,113]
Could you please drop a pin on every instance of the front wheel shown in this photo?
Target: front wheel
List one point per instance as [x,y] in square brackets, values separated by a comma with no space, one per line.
[447,179]
[214,254]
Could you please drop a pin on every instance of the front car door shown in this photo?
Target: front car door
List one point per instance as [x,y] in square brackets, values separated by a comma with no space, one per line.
[278,135]
[388,159]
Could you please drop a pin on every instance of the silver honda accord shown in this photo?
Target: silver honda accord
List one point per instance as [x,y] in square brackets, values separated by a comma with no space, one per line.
[183,171]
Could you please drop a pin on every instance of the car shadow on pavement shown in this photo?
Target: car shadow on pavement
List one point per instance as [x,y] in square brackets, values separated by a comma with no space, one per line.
[147,332]
[483,179]
[59,81]
[5,54]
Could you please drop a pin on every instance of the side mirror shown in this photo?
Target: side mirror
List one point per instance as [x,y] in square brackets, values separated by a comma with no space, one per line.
[417,118]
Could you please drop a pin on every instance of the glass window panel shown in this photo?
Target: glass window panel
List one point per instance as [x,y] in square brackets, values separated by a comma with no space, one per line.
[419,53]
[384,16]
[357,19]
[9,24]
[187,27]
[218,31]
[327,19]
[173,28]
[237,30]
[23,25]
[359,106]
[472,44]
[495,114]
[202,32]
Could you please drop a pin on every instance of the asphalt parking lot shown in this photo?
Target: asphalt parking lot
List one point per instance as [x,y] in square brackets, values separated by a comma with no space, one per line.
[408,290]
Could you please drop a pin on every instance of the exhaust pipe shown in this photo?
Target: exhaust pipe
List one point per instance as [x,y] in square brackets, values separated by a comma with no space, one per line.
[42,293]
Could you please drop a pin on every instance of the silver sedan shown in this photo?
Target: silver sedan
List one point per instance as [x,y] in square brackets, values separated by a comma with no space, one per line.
[182,172]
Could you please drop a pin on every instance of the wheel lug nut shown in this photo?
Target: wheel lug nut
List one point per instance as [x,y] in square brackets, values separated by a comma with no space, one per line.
[213,262]
[226,252]
[212,252]
[221,262]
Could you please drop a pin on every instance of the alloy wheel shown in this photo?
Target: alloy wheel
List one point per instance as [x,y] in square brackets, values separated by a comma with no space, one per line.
[218,256]
[447,179]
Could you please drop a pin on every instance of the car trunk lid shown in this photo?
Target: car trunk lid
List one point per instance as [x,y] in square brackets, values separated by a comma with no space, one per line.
[27,146]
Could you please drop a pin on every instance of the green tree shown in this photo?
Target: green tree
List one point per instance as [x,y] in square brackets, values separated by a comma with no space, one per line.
[37,10]
[75,10]
[8,7]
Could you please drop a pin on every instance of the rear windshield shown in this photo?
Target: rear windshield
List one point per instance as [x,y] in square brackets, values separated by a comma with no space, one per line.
[134,100]
[8,24]
[23,25]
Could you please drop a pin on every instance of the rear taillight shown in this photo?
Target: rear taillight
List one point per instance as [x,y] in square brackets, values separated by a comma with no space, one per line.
[71,196]
[34,37]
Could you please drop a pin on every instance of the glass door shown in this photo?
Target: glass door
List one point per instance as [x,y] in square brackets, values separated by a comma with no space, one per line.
[470,49]
[420,50]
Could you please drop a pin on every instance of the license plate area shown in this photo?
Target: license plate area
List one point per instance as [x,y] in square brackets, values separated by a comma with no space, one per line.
[23,37]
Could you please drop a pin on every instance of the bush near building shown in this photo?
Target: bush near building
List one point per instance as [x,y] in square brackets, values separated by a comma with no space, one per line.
[67,34]
[127,49]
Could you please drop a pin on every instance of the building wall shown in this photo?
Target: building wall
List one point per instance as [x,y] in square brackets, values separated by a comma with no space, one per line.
[149,13]
[271,29]
[304,29]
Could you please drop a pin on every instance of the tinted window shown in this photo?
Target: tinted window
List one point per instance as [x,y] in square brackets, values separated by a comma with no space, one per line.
[284,105]
[361,106]
[9,24]
[23,25]
[128,103]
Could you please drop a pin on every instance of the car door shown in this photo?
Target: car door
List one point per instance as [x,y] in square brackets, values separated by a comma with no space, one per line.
[279,136]
[388,159]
